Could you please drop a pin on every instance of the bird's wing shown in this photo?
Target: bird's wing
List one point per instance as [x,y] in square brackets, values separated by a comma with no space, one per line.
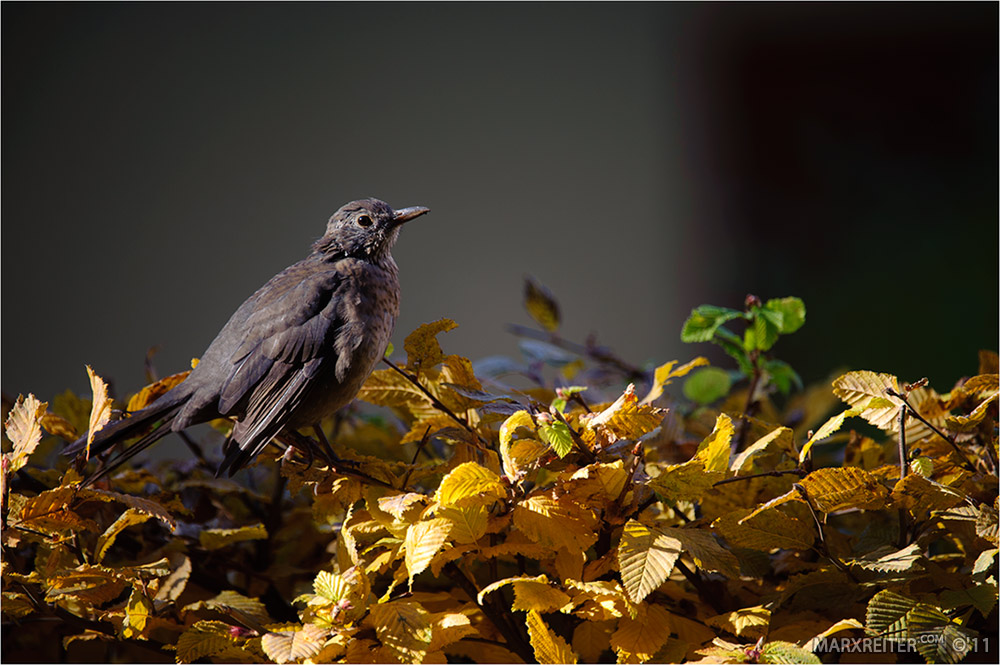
[287,337]
[293,321]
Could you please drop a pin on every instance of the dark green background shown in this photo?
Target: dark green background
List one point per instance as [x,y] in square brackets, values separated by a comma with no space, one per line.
[161,161]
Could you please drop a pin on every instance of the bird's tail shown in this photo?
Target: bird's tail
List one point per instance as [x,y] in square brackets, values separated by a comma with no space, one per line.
[159,415]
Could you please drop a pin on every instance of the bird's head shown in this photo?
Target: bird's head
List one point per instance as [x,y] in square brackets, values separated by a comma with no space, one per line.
[365,229]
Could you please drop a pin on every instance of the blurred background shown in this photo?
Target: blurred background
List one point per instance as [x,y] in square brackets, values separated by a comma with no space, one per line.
[162,161]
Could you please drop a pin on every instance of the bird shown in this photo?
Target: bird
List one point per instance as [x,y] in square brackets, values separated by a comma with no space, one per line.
[294,352]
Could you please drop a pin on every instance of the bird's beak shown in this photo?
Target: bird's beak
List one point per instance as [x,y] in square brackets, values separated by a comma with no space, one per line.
[406,214]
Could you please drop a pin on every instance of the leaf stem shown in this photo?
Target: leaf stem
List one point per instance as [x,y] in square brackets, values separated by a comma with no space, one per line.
[737,445]
[438,404]
[913,412]
[597,353]
[515,642]
[788,472]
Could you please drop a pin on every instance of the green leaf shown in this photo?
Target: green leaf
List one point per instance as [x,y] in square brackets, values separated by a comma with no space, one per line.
[792,311]
[765,327]
[782,375]
[886,614]
[923,466]
[937,638]
[704,321]
[733,346]
[707,385]
[558,436]
[786,652]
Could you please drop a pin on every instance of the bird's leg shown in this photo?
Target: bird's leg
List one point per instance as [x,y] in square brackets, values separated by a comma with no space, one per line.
[303,444]
[327,448]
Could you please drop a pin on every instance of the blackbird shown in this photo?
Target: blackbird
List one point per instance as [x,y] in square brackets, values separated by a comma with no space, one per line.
[296,351]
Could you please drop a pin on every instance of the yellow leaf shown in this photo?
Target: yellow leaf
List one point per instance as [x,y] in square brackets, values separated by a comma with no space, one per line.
[687,481]
[642,636]
[548,647]
[448,628]
[599,600]
[285,643]
[775,441]
[765,529]
[423,541]
[100,411]
[235,604]
[50,512]
[398,504]
[982,384]
[555,524]
[422,348]
[538,596]
[204,638]
[705,550]
[624,419]
[918,495]
[835,489]
[213,539]
[665,373]
[137,613]
[468,524]
[592,638]
[970,422]
[385,387]
[517,419]
[91,584]
[470,484]
[59,426]
[828,428]
[597,484]
[140,504]
[24,429]
[522,456]
[404,627]
[646,557]
[714,450]
[859,388]
[480,652]
[541,304]
[749,623]
[154,391]
[125,520]
[843,624]
[173,586]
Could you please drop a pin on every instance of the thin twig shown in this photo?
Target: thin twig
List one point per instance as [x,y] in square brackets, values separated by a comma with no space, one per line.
[823,550]
[420,446]
[789,472]
[740,438]
[708,595]
[196,451]
[913,412]
[903,468]
[576,437]
[597,353]
[438,404]
[515,642]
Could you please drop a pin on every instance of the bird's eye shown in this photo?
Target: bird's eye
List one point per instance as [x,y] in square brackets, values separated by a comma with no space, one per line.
[365,221]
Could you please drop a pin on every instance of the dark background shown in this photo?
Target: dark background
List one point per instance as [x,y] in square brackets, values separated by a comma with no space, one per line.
[161,161]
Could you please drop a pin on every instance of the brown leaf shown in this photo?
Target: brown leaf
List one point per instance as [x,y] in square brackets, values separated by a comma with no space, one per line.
[422,348]
[541,304]
[100,410]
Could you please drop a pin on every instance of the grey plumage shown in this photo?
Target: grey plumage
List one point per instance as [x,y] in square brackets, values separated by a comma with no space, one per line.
[296,350]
